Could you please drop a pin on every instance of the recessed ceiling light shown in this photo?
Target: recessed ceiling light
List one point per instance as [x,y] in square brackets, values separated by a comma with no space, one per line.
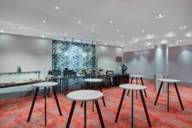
[57,8]
[65,34]
[188,34]
[122,45]
[117,30]
[105,43]
[149,36]
[79,22]
[92,30]
[110,21]
[164,41]
[122,36]
[148,43]
[183,27]
[135,40]
[170,34]
[44,21]
[43,36]
[160,16]
[2,31]
[142,30]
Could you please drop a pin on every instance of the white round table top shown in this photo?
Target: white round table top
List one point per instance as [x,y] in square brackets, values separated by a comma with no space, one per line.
[93,80]
[84,95]
[169,80]
[137,76]
[45,84]
[132,86]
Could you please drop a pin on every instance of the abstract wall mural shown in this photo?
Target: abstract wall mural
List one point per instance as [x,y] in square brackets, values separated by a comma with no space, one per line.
[72,55]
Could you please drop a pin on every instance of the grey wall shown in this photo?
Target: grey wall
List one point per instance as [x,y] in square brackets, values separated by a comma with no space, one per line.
[140,63]
[180,63]
[106,57]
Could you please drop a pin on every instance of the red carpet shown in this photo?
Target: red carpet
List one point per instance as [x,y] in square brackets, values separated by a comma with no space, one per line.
[14,112]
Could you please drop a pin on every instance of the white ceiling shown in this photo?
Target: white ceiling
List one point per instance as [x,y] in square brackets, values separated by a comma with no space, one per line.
[90,19]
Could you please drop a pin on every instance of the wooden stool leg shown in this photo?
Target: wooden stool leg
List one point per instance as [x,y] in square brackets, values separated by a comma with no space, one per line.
[136,83]
[145,108]
[45,97]
[57,102]
[99,113]
[85,114]
[70,114]
[168,96]
[158,93]
[32,105]
[120,104]
[180,101]
[103,99]
[143,85]
[81,103]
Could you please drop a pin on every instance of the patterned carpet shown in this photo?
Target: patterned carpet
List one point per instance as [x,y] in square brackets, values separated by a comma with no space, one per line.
[14,111]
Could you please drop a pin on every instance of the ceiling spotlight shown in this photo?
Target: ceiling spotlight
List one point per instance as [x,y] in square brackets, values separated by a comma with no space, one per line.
[122,36]
[57,8]
[2,31]
[170,34]
[44,21]
[43,36]
[92,30]
[149,36]
[160,16]
[164,41]
[135,40]
[110,21]
[79,22]
[148,43]
[122,45]
[188,34]
[142,30]
[65,34]
[117,30]
[183,27]
[105,43]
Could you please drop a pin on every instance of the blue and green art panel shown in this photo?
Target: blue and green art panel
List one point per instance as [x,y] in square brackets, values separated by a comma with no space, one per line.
[72,55]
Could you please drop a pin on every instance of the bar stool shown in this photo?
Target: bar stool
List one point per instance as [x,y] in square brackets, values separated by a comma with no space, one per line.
[137,77]
[85,96]
[44,85]
[168,81]
[92,81]
[133,87]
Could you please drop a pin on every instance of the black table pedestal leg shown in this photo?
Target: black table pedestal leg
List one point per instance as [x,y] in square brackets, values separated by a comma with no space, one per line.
[85,114]
[132,109]
[99,113]
[180,101]
[168,96]
[71,114]
[32,105]
[57,102]
[158,93]
[120,104]
[143,85]
[45,97]
[145,108]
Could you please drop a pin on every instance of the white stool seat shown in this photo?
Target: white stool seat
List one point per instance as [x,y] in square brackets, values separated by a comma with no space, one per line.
[93,80]
[169,80]
[45,84]
[84,95]
[132,87]
[137,76]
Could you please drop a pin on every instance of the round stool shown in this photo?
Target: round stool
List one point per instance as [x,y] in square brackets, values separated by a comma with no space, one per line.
[44,85]
[95,80]
[84,96]
[137,77]
[133,87]
[168,81]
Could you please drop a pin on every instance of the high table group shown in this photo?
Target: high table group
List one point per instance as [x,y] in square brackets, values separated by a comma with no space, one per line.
[88,94]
